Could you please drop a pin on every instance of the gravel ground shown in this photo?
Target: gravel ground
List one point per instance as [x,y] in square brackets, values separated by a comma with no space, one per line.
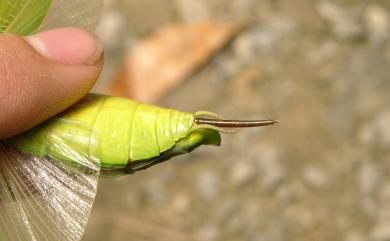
[321,68]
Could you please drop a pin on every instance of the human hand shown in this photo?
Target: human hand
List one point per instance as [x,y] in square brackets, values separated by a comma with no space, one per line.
[43,74]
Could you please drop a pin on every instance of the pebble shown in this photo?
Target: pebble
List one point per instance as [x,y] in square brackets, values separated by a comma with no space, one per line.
[370,176]
[291,192]
[272,171]
[381,231]
[227,208]
[315,177]
[377,22]
[181,202]
[377,132]
[249,43]
[242,173]
[343,23]
[263,39]
[384,193]
[369,181]
[192,11]
[242,7]
[208,233]
[300,218]
[111,28]
[355,236]
[155,192]
[319,54]
[208,185]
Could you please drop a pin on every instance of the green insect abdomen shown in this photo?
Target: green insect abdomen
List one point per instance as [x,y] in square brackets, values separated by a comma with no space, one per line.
[128,130]
[108,130]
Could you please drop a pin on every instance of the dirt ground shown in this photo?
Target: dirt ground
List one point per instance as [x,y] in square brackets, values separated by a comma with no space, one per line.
[321,68]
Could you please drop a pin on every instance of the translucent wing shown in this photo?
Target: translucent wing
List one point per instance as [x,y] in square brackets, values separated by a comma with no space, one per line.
[25,16]
[43,199]
[73,13]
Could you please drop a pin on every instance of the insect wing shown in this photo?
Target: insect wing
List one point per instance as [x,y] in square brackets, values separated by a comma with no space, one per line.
[40,198]
[73,13]
[43,199]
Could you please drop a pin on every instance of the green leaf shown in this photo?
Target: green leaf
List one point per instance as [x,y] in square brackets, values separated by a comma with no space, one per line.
[22,16]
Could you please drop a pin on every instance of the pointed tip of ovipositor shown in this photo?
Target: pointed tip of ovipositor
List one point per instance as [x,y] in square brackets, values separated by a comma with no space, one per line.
[235,123]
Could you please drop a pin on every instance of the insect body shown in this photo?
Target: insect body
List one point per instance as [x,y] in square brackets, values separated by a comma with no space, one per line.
[119,133]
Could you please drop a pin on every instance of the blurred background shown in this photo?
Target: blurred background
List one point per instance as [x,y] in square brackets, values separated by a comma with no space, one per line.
[320,67]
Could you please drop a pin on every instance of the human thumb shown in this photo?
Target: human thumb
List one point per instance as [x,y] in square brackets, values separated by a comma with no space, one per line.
[43,74]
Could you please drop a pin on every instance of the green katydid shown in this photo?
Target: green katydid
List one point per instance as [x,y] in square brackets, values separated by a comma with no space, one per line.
[48,175]
[122,135]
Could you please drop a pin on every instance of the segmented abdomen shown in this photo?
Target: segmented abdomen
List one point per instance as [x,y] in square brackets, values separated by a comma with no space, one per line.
[107,130]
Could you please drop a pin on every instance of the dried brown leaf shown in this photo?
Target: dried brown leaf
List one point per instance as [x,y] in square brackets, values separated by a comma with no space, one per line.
[163,60]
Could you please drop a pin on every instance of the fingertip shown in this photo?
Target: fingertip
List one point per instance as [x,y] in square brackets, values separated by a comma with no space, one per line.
[43,76]
[67,46]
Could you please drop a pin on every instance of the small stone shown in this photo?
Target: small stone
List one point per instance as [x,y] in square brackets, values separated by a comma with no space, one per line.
[381,232]
[355,236]
[249,43]
[384,193]
[227,208]
[315,177]
[343,23]
[208,185]
[242,173]
[262,39]
[156,192]
[291,192]
[377,22]
[193,10]
[369,181]
[319,54]
[111,28]
[208,233]
[258,236]
[272,172]
[301,218]
[377,131]
[241,8]
[181,202]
